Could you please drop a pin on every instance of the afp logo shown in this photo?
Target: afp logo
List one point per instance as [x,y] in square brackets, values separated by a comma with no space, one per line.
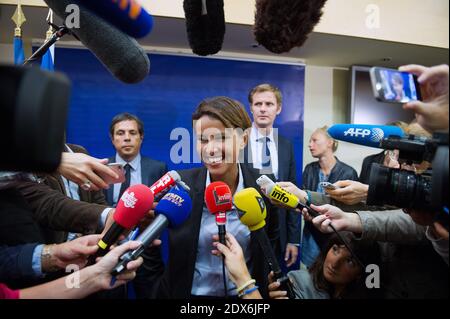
[375,134]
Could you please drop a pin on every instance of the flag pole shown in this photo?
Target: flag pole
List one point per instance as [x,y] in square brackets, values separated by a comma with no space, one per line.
[19,19]
[51,38]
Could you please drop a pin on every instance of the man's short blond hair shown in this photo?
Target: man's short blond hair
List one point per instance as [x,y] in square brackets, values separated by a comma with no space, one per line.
[266,88]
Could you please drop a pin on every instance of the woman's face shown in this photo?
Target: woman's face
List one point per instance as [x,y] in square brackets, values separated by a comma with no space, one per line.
[398,88]
[339,267]
[319,144]
[218,146]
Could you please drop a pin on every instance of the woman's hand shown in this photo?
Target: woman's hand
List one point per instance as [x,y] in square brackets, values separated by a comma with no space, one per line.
[432,112]
[291,188]
[332,214]
[234,259]
[274,288]
[349,192]
[106,264]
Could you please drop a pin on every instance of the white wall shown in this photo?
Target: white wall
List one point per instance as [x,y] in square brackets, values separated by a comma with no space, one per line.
[327,103]
[407,21]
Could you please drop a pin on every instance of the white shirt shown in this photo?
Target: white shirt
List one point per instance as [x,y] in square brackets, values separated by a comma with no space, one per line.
[208,278]
[135,175]
[257,144]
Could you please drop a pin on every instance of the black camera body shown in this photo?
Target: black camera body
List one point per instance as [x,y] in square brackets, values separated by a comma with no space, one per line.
[406,189]
[33,113]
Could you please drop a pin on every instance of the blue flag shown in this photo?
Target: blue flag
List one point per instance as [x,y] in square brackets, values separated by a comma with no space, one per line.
[19,55]
[48,60]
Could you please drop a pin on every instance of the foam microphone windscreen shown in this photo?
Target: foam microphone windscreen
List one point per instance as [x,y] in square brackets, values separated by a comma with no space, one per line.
[134,204]
[119,53]
[251,208]
[283,25]
[218,198]
[205,25]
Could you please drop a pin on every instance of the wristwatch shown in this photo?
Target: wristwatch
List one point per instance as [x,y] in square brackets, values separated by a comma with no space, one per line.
[48,263]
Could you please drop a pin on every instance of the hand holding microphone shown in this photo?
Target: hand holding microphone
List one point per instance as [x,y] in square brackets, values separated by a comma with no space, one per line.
[172,211]
[276,193]
[331,214]
[279,195]
[252,213]
[134,204]
[349,192]
[236,265]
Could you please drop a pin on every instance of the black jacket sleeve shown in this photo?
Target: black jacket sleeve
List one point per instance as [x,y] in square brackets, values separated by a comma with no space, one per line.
[16,262]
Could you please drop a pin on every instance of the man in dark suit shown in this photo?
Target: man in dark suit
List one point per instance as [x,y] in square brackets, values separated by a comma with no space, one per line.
[127,134]
[274,154]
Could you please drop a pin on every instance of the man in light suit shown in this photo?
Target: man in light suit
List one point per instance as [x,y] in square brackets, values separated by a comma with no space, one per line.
[274,154]
[127,133]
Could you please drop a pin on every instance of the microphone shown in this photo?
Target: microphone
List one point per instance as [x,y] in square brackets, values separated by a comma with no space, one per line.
[218,199]
[283,25]
[252,213]
[172,211]
[205,25]
[127,16]
[366,135]
[165,183]
[134,204]
[279,195]
[119,53]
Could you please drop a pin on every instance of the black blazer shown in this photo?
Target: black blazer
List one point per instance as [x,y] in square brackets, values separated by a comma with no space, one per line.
[289,220]
[175,280]
[151,171]
[340,172]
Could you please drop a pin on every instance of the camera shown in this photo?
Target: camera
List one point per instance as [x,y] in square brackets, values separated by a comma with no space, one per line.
[33,114]
[406,189]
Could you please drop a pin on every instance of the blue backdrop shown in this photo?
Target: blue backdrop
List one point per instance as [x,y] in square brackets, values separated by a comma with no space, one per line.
[167,98]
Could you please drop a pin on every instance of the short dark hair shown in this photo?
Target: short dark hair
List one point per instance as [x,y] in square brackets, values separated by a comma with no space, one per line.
[230,112]
[126,117]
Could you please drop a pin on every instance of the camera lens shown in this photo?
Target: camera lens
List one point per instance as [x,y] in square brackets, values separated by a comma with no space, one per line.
[399,188]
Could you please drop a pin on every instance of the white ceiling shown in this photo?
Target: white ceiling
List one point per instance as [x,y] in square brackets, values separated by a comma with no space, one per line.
[321,49]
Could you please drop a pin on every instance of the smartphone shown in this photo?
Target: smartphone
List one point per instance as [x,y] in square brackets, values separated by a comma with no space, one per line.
[328,185]
[118,168]
[393,86]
